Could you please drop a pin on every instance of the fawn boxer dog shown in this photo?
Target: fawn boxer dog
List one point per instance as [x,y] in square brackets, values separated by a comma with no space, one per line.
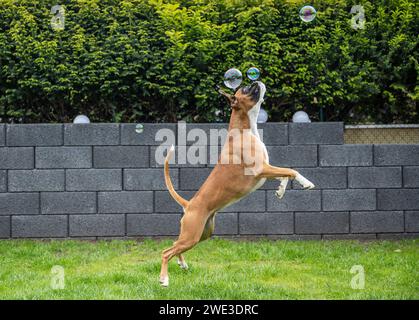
[243,167]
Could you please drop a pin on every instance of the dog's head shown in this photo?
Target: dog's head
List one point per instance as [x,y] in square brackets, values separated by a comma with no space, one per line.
[247,98]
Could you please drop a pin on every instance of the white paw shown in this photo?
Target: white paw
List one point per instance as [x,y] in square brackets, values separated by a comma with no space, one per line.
[280,192]
[305,183]
[308,186]
[183,265]
[164,281]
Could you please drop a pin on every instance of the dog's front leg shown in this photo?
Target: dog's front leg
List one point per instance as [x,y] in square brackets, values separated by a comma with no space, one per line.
[284,174]
[282,187]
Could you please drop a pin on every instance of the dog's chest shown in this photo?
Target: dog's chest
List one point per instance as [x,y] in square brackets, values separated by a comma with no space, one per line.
[263,147]
[266,159]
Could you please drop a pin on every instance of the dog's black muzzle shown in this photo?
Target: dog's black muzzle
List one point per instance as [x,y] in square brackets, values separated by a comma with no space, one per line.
[252,90]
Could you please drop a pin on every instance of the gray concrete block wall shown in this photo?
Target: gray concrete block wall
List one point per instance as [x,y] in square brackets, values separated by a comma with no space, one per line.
[102,180]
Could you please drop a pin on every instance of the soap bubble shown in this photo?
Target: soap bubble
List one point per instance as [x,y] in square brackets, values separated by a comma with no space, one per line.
[232,78]
[262,116]
[300,117]
[139,128]
[307,13]
[253,73]
[81,119]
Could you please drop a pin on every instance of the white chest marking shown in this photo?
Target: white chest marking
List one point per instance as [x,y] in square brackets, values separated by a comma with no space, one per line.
[253,118]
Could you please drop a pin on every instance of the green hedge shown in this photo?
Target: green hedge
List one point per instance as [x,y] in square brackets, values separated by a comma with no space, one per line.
[154,60]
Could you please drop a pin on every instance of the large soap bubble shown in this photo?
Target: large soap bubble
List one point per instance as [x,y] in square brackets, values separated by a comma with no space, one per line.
[81,119]
[308,13]
[233,78]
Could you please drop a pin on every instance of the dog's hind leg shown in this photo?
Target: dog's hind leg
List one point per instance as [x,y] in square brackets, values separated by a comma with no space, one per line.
[192,225]
[206,233]
[181,262]
[208,229]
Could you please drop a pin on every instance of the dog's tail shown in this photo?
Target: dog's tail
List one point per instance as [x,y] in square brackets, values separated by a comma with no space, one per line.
[183,202]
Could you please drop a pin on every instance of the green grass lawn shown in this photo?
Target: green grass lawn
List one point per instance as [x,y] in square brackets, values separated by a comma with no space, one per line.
[219,269]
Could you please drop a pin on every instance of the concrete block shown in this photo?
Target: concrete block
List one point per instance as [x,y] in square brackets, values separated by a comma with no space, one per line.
[121,157]
[274,133]
[412,221]
[93,179]
[323,178]
[163,201]
[2,134]
[125,202]
[293,156]
[321,222]
[68,202]
[279,223]
[39,226]
[396,154]
[345,155]
[252,223]
[200,133]
[16,158]
[34,135]
[36,180]
[19,203]
[376,222]
[91,134]
[4,227]
[184,156]
[269,223]
[226,223]
[3,180]
[295,200]
[254,202]
[316,133]
[153,224]
[213,155]
[148,179]
[193,178]
[63,157]
[398,199]
[153,134]
[349,199]
[97,225]
[411,177]
[374,177]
